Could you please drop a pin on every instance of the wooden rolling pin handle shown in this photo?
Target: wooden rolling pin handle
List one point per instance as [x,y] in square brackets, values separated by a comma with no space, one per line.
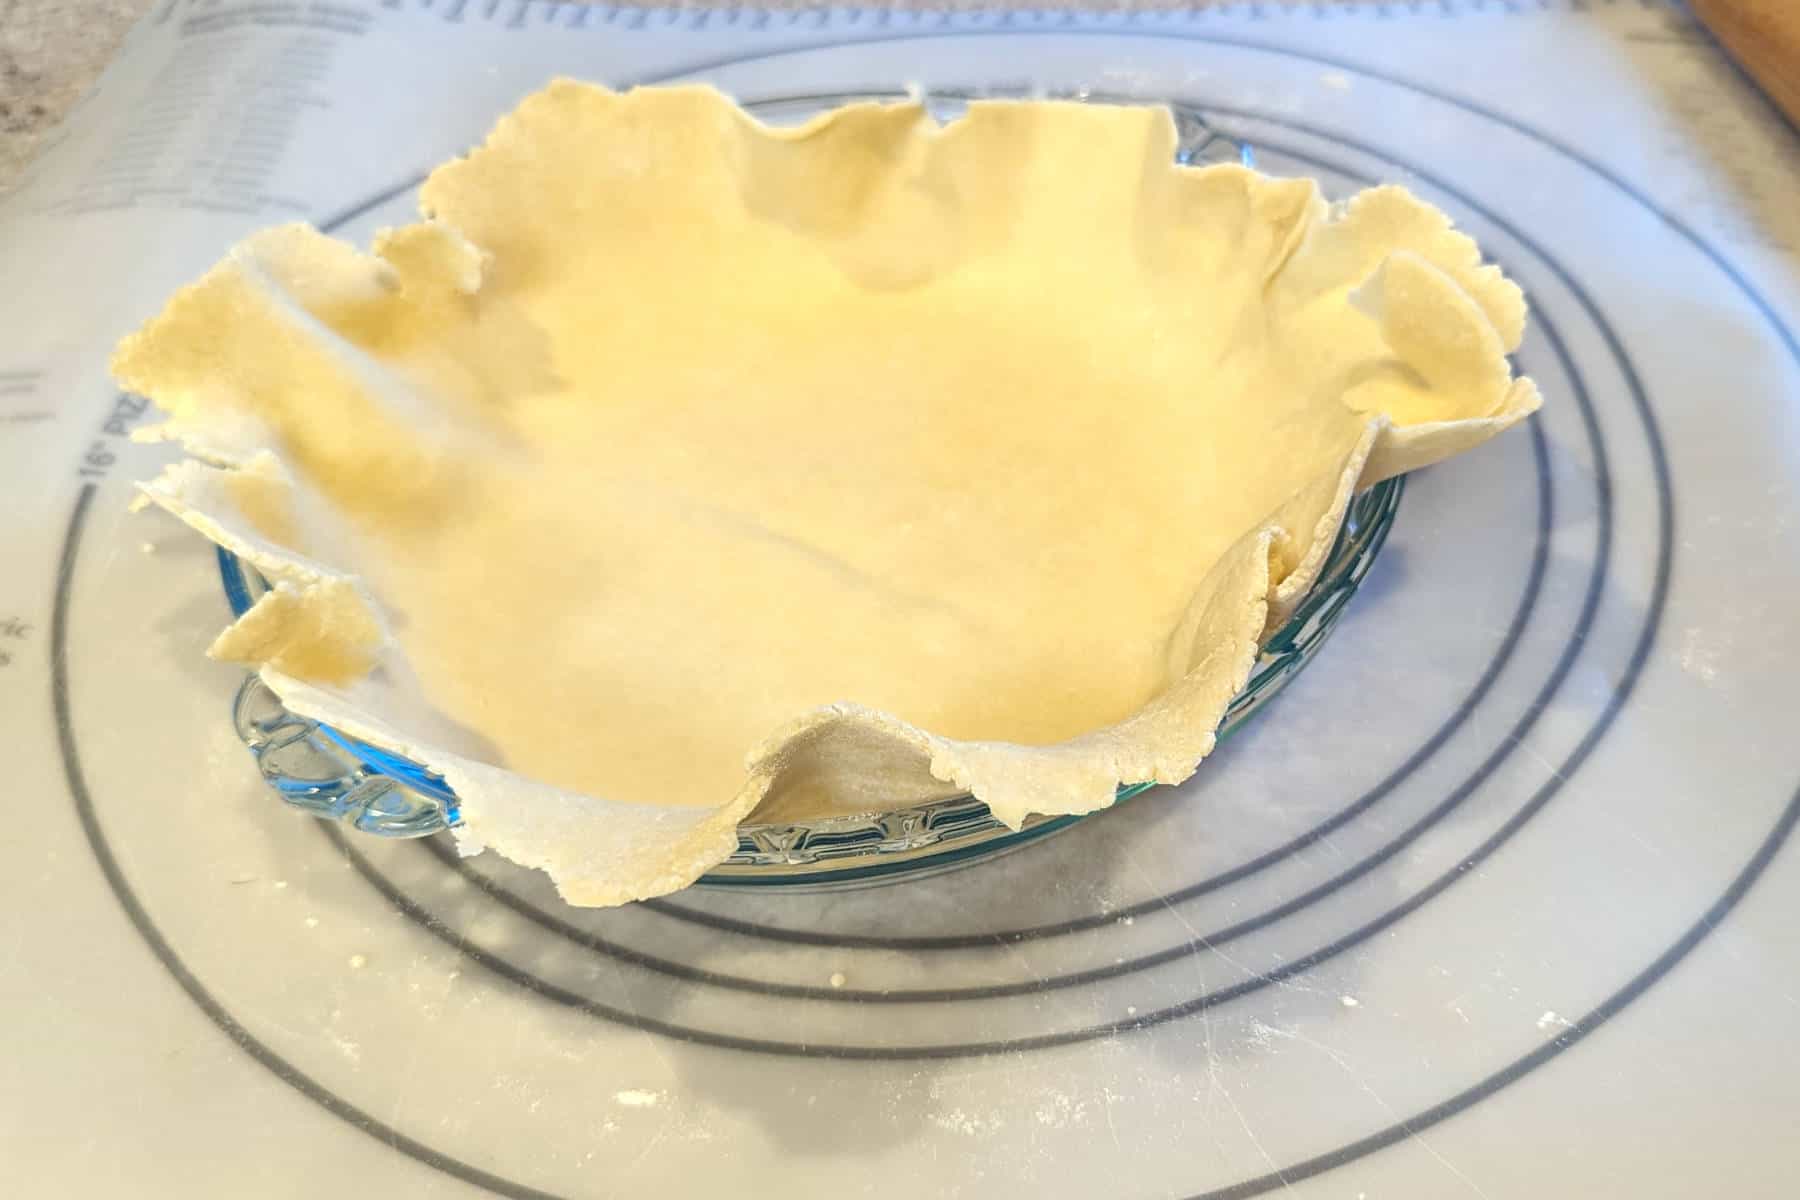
[1764,36]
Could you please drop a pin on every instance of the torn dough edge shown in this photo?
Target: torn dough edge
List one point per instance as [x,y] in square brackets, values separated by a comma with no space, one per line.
[1241,600]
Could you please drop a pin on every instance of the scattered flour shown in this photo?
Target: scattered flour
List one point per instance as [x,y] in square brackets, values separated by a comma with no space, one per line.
[1060,1110]
[638,1098]
[971,1124]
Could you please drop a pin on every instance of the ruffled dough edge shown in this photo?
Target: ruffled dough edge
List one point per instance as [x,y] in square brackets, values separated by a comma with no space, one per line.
[601,852]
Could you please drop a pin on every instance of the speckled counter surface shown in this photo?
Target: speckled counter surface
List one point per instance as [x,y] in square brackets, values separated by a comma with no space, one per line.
[50,50]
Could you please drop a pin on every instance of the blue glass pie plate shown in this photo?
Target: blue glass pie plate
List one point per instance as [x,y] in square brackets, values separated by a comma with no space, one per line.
[327,773]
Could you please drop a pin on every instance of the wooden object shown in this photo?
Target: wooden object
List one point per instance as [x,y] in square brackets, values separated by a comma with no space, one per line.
[1764,36]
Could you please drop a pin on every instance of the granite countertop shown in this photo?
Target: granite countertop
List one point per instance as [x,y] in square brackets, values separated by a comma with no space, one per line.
[50,51]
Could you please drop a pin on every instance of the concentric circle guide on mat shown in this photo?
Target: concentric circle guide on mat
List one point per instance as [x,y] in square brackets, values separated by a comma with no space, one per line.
[1506,865]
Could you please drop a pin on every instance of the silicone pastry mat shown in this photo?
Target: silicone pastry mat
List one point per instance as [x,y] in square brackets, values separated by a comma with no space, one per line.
[1493,901]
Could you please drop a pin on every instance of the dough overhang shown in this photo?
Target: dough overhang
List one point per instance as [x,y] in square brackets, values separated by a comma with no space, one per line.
[675,469]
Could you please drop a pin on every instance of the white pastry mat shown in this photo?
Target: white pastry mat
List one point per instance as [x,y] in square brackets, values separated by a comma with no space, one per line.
[1493,901]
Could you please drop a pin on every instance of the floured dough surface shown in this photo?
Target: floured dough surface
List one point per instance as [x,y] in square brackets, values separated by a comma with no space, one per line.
[676,466]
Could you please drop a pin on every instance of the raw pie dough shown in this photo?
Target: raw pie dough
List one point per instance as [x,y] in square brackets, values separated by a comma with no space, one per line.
[677,471]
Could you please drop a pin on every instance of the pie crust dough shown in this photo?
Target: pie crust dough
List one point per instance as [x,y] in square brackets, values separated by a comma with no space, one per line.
[676,470]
